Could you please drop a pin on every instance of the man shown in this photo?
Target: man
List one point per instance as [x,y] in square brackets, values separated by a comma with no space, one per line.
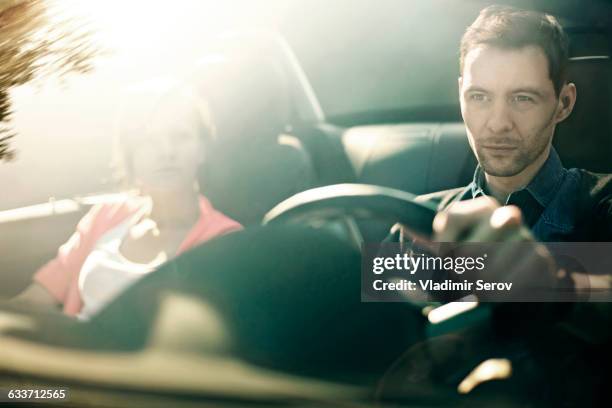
[513,92]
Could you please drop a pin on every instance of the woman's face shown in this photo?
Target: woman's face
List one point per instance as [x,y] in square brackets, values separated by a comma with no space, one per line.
[167,154]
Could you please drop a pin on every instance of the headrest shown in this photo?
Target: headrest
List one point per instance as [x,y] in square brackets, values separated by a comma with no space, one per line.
[248,94]
[584,139]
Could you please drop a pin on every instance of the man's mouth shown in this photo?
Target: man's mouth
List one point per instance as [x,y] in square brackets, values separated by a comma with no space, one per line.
[499,148]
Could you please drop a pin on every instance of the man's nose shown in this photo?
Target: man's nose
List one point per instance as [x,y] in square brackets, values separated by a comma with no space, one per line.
[500,119]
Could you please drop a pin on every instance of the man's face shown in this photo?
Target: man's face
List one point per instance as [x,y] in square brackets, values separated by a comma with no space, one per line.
[509,107]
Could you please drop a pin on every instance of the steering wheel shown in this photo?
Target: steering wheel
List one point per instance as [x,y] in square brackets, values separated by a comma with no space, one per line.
[359,201]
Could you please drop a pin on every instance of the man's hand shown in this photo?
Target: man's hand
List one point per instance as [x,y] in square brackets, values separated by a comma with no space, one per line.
[480,220]
[521,260]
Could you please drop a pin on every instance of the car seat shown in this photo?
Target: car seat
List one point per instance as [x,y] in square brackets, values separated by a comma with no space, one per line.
[255,162]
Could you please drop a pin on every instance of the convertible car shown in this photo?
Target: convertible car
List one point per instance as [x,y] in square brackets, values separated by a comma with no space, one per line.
[326,138]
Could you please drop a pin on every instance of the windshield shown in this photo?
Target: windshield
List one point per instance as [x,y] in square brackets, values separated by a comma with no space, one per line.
[392,62]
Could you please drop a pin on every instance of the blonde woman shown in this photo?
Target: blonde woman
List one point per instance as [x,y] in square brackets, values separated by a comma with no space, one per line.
[163,138]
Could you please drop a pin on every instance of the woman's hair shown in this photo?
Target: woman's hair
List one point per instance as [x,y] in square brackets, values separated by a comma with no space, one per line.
[139,105]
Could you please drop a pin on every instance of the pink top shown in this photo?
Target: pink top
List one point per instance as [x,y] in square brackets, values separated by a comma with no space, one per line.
[60,276]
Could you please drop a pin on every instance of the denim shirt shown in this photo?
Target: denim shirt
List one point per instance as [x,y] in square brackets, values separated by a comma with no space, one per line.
[548,202]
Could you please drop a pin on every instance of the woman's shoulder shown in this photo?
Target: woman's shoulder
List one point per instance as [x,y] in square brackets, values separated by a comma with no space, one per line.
[215,219]
[227,224]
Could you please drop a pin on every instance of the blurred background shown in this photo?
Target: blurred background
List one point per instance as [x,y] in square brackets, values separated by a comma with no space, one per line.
[359,56]
[356,54]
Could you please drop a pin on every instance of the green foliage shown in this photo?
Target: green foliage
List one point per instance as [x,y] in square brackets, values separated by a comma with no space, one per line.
[36,42]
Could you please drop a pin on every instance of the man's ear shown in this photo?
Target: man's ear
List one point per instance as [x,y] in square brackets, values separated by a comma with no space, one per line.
[567,100]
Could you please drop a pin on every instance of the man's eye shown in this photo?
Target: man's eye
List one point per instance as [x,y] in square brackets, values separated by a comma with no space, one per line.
[522,99]
[477,97]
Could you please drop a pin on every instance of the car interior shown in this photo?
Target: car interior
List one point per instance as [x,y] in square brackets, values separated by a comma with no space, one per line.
[274,141]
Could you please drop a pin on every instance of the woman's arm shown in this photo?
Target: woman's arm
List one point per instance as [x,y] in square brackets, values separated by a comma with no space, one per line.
[36,293]
[59,277]
[55,283]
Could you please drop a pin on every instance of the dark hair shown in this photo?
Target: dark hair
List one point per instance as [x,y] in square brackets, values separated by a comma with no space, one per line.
[509,27]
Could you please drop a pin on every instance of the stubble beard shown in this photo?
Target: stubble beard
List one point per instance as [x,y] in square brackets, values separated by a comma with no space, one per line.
[520,159]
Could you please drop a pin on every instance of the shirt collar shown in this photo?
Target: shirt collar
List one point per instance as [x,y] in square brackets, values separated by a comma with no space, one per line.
[542,187]
[478,185]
